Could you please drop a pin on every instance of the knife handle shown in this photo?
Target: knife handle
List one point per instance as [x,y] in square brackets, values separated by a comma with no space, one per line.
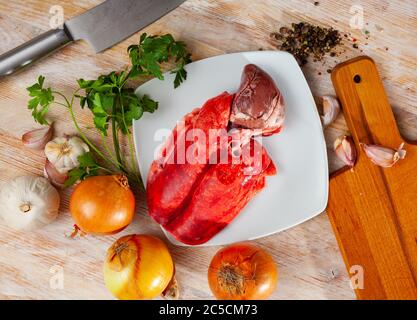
[33,50]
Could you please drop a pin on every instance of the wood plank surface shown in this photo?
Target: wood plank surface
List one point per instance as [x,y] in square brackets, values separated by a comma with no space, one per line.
[372,209]
[310,264]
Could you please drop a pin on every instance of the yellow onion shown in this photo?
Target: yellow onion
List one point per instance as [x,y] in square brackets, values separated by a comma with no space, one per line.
[138,267]
[242,271]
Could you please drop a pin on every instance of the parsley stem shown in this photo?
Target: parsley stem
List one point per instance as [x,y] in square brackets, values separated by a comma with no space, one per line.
[63,96]
[74,95]
[135,167]
[116,137]
[61,104]
[84,137]
[105,169]
[109,152]
[134,164]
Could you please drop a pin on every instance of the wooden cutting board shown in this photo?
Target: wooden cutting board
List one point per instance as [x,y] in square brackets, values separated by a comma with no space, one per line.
[373,210]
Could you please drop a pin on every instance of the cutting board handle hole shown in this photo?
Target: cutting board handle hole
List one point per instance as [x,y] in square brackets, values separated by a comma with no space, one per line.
[357,78]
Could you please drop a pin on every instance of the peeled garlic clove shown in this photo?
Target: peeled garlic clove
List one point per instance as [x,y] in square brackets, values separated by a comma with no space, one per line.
[53,175]
[382,156]
[331,109]
[345,150]
[37,138]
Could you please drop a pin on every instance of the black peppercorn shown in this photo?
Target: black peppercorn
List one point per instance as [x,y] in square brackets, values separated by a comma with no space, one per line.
[304,39]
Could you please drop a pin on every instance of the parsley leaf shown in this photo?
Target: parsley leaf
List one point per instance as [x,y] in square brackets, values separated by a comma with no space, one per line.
[99,98]
[134,107]
[148,104]
[41,100]
[134,112]
[100,114]
[87,167]
[105,96]
[152,51]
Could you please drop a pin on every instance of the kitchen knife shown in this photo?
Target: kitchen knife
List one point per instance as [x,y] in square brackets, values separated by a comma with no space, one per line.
[102,27]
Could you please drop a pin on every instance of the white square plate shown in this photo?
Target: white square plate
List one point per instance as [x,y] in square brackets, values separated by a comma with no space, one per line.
[300,189]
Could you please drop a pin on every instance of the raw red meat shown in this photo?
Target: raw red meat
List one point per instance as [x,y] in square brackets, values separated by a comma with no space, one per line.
[194,200]
[258,103]
[218,198]
[170,184]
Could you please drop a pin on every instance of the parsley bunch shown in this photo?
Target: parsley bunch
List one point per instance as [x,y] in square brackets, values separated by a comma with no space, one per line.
[113,104]
[108,98]
[152,51]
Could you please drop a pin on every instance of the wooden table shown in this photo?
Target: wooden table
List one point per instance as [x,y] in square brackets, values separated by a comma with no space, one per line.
[308,257]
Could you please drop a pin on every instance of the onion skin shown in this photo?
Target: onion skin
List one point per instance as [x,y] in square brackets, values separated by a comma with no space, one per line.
[242,272]
[138,267]
[102,204]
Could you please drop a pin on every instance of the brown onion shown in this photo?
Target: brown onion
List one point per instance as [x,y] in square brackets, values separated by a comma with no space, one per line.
[242,272]
[138,267]
[102,204]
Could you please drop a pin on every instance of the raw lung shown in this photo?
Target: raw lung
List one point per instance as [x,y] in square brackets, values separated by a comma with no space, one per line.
[192,200]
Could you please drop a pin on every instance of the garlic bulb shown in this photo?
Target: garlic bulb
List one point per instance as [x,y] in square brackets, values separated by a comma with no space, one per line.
[63,152]
[28,202]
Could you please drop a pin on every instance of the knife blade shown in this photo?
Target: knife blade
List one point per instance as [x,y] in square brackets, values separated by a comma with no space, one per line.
[102,27]
[127,17]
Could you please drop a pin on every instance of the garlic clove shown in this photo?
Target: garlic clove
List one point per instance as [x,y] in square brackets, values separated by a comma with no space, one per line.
[382,156]
[345,150]
[53,175]
[37,138]
[331,109]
